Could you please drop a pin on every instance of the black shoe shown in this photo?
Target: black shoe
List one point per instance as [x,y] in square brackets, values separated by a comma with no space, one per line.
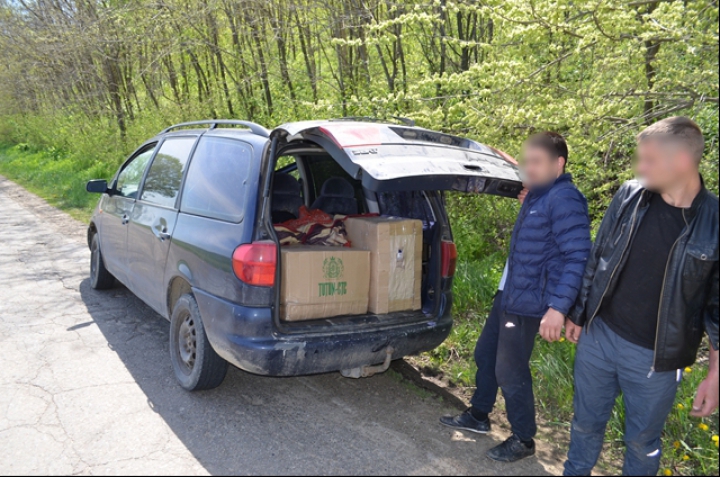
[512,450]
[466,422]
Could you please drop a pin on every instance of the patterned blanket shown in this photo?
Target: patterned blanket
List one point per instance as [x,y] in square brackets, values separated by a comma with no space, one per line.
[313,227]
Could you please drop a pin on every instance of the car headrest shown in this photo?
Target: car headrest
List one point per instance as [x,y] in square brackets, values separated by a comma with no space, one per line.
[285,184]
[337,187]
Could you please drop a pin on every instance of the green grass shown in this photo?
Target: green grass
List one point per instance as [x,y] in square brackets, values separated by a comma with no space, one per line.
[481,229]
[58,177]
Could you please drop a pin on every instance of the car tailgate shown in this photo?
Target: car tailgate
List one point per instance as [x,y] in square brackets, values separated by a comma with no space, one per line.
[387,157]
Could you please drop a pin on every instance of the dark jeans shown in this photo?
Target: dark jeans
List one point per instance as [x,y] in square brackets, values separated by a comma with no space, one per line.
[605,366]
[502,356]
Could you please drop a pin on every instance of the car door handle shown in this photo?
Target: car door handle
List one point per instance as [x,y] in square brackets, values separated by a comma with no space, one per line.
[162,233]
[125,219]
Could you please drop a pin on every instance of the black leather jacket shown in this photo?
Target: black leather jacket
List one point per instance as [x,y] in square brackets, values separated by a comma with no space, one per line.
[689,299]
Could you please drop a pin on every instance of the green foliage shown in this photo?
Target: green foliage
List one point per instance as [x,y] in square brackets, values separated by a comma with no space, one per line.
[494,71]
[58,177]
[482,225]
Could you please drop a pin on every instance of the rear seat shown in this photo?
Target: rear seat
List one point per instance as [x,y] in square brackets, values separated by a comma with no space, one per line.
[337,196]
[286,198]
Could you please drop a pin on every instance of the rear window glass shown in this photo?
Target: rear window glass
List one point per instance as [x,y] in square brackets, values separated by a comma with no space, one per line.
[410,204]
[215,183]
[323,168]
[166,171]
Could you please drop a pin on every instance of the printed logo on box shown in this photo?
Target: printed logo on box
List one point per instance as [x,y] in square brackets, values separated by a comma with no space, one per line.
[332,270]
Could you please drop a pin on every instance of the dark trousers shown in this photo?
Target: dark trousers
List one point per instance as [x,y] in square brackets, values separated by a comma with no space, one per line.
[502,355]
[605,366]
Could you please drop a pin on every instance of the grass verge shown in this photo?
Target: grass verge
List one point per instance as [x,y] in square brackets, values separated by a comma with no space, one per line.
[57,177]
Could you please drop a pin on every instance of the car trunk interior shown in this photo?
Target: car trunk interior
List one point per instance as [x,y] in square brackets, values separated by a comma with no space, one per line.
[311,167]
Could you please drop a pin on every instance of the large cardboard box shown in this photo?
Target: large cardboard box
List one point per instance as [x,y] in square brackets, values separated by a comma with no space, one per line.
[395,246]
[319,282]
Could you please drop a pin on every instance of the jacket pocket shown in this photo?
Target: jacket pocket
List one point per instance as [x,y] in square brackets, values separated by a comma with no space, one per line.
[699,263]
[696,273]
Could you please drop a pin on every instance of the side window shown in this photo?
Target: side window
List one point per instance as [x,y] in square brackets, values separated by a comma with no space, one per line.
[165,175]
[128,180]
[288,164]
[215,184]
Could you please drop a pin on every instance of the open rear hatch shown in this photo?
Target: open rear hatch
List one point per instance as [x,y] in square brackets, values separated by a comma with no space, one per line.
[399,163]
[399,158]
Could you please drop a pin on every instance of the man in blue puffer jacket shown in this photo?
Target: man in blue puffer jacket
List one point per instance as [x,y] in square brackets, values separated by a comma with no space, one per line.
[548,251]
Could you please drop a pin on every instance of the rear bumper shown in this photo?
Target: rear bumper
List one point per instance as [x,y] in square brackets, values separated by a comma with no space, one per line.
[244,336]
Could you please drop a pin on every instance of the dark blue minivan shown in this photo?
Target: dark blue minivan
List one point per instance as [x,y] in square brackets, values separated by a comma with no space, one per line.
[187,225]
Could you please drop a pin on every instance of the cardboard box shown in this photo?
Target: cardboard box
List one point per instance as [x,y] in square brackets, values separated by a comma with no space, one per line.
[395,246]
[320,282]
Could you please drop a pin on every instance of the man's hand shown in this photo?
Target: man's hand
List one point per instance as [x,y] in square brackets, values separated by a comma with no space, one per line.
[706,400]
[572,331]
[523,194]
[551,325]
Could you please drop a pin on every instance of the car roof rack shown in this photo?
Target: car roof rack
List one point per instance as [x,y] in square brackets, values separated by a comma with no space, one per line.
[214,123]
[404,121]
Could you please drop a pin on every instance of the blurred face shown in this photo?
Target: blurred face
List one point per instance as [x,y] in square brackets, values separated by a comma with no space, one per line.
[539,167]
[661,164]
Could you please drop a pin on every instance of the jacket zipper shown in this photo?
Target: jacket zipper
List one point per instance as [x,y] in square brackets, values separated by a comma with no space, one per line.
[622,232]
[662,292]
[612,275]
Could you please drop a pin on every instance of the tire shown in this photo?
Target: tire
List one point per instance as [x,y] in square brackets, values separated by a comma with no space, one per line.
[196,364]
[100,277]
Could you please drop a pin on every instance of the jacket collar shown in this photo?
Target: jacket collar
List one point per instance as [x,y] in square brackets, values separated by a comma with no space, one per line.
[699,199]
[542,190]
[697,203]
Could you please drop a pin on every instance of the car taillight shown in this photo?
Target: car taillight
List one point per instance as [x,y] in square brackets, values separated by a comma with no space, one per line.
[255,263]
[449,258]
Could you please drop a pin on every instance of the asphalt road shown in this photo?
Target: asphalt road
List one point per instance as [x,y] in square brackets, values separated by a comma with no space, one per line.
[86,387]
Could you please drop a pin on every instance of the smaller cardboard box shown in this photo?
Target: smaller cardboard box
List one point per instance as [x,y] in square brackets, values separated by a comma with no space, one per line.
[395,246]
[320,282]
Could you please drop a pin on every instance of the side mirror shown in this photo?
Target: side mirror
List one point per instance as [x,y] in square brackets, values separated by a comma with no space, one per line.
[98,186]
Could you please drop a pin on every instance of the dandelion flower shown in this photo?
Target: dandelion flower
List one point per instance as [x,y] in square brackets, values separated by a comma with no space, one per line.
[681,406]
[562,339]
[715,438]
[676,444]
[688,369]
[703,427]
[686,457]
[667,472]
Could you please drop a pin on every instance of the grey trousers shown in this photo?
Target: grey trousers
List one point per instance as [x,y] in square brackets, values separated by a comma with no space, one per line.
[605,366]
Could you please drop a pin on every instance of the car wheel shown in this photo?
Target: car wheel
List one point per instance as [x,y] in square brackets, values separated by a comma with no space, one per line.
[100,278]
[196,364]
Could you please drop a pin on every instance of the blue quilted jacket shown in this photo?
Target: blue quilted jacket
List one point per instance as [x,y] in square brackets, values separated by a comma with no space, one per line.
[549,248]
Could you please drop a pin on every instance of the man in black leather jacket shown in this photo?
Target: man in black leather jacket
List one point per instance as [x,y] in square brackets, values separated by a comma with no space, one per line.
[650,293]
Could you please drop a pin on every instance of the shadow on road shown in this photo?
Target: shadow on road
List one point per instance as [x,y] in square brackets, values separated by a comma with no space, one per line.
[308,425]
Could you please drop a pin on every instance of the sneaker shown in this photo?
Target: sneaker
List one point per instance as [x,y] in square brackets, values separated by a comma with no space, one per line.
[466,422]
[512,450]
